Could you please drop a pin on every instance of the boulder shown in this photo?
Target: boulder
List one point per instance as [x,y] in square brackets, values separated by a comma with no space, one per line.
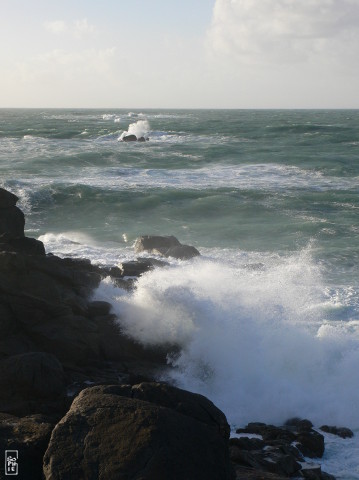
[109,433]
[7,199]
[311,444]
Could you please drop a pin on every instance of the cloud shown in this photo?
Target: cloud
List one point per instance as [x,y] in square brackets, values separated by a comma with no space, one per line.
[82,27]
[78,28]
[56,26]
[284,31]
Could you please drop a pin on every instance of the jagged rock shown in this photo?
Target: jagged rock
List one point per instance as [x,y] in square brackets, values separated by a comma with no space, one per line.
[108,434]
[245,443]
[342,432]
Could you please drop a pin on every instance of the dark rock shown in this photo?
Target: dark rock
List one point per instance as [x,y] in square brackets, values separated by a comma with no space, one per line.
[299,424]
[32,375]
[129,138]
[107,434]
[182,252]
[29,436]
[7,199]
[342,432]
[12,221]
[141,139]
[99,308]
[25,245]
[245,443]
[311,444]
[151,242]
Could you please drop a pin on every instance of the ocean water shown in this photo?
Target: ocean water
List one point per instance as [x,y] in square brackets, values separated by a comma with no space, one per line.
[267,319]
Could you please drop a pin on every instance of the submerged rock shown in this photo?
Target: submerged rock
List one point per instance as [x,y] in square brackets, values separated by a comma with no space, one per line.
[150,431]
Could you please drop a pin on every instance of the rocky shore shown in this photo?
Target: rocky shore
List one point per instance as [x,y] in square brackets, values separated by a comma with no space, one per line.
[78,399]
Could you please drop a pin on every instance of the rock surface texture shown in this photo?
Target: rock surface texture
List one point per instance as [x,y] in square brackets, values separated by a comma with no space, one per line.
[149,431]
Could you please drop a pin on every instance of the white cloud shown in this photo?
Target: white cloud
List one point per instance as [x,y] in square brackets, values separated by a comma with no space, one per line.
[82,27]
[78,28]
[280,31]
[55,26]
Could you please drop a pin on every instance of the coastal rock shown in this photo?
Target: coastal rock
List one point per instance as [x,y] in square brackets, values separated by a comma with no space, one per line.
[342,432]
[151,242]
[129,138]
[32,375]
[28,435]
[167,246]
[25,245]
[109,433]
[12,220]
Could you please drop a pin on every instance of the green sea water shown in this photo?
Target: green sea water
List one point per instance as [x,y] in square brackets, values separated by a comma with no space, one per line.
[267,319]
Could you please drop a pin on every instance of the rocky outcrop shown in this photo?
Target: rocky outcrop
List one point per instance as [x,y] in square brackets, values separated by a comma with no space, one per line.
[342,432]
[12,220]
[279,450]
[167,246]
[150,431]
[132,138]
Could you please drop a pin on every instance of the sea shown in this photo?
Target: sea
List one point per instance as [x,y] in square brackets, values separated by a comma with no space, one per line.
[267,318]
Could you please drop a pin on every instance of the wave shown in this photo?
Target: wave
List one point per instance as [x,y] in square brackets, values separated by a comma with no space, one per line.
[141,128]
[254,340]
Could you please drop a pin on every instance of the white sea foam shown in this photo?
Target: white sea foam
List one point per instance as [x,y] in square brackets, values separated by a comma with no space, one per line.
[255,341]
[140,129]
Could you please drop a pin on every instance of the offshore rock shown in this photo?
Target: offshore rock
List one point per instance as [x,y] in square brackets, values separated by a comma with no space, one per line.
[342,432]
[123,432]
[167,246]
[129,138]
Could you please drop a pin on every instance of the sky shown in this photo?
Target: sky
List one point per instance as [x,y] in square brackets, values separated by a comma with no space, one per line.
[179,54]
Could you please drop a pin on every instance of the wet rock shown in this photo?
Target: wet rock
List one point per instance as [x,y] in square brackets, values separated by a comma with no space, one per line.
[298,424]
[151,242]
[311,444]
[168,246]
[342,432]
[108,433]
[129,138]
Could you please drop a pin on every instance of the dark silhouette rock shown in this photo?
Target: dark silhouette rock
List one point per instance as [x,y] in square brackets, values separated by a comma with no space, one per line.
[129,138]
[108,434]
[12,220]
[167,246]
[25,245]
[342,432]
